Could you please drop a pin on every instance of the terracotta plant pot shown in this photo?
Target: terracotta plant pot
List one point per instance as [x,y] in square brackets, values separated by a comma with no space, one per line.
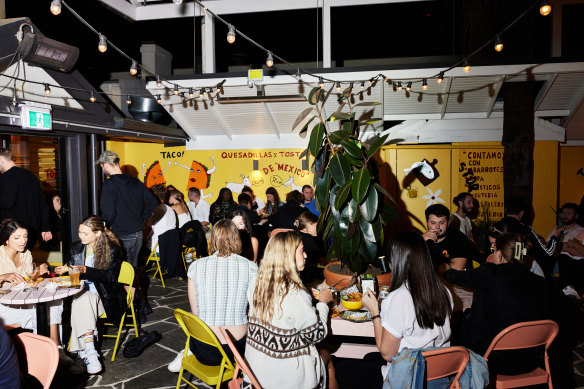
[332,278]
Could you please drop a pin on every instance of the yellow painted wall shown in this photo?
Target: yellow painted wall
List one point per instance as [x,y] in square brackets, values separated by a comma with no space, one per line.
[571,183]
[545,187]
[280,168]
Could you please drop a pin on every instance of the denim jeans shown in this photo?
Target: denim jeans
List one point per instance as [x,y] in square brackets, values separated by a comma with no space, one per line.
[132,244]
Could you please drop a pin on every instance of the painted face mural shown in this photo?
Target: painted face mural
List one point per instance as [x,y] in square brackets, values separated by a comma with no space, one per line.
[154,175]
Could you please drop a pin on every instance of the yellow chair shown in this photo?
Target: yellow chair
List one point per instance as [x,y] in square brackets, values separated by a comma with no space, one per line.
[126,277]
[154,257]
[187,250]
[211,375]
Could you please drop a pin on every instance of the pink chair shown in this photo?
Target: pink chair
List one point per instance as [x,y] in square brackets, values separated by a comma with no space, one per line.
[40,354]
[525,335]
[241,365]
[444,362]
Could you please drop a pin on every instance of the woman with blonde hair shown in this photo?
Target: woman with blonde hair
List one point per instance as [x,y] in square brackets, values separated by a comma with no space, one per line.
[177,203]
[217,290]
[284,326]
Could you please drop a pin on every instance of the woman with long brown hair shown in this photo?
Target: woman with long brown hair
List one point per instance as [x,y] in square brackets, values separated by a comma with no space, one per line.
[284,326]
[97,257]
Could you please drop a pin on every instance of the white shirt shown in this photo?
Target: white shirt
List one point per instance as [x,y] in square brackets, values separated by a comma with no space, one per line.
[398,317]
[183,218]
[199,211]
[167,223]
[465,225]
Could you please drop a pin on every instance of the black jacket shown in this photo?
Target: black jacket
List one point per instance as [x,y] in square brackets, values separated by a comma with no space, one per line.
[112,294]
[21,198]
[125,204]
[286,216]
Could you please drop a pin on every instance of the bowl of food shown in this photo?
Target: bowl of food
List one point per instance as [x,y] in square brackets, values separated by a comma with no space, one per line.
[351,300]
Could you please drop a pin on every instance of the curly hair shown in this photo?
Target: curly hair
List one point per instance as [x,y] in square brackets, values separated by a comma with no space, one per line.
[101,247]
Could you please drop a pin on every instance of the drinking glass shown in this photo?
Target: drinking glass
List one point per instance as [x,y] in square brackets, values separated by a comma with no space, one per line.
[74,276]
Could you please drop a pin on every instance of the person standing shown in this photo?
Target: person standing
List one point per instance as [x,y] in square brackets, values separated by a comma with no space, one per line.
[22,199]
[309,201]
[199,208]
[460,219]
[125,204]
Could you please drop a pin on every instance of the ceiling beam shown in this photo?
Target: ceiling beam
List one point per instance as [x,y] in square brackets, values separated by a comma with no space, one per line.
[122,7]
[222,123]
[273,120]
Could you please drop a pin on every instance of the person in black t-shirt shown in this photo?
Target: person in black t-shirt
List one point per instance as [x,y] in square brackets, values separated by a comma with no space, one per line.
[446,245]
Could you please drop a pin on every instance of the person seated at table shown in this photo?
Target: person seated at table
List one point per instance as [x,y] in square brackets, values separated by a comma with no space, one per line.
[249,243]
[256,203]
[15,264]
[279,305]
[416,313]
[177,203]
[288,212]
[98,256]
[217,290]
[272,203]
[222,207]
[313,246]
[504,293]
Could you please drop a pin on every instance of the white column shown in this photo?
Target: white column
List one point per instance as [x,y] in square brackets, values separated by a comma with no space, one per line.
[326,33]
[208,41]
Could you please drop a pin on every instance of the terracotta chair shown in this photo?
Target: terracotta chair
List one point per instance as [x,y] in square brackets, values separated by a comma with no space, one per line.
[444,362]
[39,354]
[241,365]
[525,335]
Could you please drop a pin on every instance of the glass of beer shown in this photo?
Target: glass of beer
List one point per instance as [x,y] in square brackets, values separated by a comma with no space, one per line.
[74,275]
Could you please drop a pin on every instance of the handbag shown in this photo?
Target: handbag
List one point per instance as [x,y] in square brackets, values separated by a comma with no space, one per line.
[136,346]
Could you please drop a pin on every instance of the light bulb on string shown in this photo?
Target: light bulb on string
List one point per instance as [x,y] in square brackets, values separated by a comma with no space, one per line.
[191,94]
[386,79]
[158,82]
[177,2]
[545,8]
[47,90]
[102,46]
[440,78]
[409,86]
[92,97]
[338,86]
[389,82]
[270,60]
[201,94]
[362,85]
[399,85]
[298,74]
[55,7]
[134,68]
[204,91]
[498,44]
[158,99]
[371,80]
[175,91]
[231,34]
[466,66]
[320,82]
[128,100]
[425,84]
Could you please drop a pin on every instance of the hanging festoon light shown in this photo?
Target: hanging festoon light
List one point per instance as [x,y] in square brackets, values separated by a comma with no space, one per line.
[177,2]
[399,85]
[371,80]
[231,34]
[545,8]
[298,74]
[175,90]
[440,78]
[204,91]
[338,86]
[191,93]
[158,82]
[158,99]
[201,93]
[498,44]
[128,100]
[47,90]
[320,82]
[102,45]
[466,66]
[425,84]
[92,97]
[362,85]
[409,86]
[55,7]
[134,68]
[270,60]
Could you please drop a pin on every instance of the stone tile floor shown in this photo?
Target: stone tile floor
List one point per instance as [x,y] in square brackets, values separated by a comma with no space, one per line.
[150,369]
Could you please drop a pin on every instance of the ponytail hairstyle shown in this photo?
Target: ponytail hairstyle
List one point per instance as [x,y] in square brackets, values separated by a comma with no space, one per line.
[178,196]
[7,228]
[102,249]
[513,248]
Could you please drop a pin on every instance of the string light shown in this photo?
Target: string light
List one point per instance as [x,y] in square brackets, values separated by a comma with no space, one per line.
[399,85]
[191,94]
[177,2]
[298,74]
[320,82]
[134,68]
[158,99]
[371,80]
[158,82]
[338,86]
[545,8]
[424,84]
[47,90]
[92,97]
[270,60]
[204,91]
[388,80]
[55,7]
[409,86]
[201,94]
[440,78]
[102,46]
[362,85]
[128,100]
[231,34]
[175,91]
[466,66]
[498,44]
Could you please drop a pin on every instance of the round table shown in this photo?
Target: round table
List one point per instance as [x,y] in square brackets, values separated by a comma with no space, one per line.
[39,295]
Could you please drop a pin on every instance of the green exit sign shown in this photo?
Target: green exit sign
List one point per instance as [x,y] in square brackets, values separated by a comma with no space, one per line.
[36,118]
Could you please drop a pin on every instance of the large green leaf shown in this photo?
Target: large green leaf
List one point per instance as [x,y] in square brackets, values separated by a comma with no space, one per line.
[340,169]
[332,197]
[368,250]
[314,95]
[369,207]
[339,116]
[304,129]
[338,136]
[352,148]
[377,227]
[352,244]
[322,190]
[373,120]
[355,162]
[388,212]
[320,162]
[367,230]
[386,193]
[342,196]
[378,143]
[354,211]
[301,117]
[367,104]
[344,223]
[361,181]
[316,138]
[327,233]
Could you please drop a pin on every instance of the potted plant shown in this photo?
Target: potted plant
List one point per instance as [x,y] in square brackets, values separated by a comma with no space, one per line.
[353,204]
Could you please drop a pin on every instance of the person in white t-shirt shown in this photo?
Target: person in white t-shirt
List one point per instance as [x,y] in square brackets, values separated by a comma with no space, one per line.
[199,208]
[459,219]
[416,314]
